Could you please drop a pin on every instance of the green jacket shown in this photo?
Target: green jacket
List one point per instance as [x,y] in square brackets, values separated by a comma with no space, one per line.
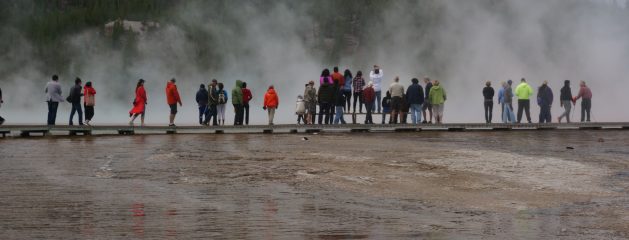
[437,95]
[237,98]
[524,91]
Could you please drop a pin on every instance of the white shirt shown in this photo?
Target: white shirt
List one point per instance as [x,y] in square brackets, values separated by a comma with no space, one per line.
[377,80]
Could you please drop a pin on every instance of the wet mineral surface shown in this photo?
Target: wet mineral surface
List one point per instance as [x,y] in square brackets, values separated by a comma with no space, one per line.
[427,185]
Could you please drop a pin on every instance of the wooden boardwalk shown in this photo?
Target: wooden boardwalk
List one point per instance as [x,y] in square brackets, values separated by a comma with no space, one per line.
[30,130]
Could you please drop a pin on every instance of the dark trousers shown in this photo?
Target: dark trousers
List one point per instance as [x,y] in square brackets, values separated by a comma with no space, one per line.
[246,112]
[52,112]
[489,109]
[378,100]
[544,114]
[524,105]
[211,114]
[358,96]
[301,117]
[202,113]
[348,100]
[89,112]
[369,108]
[239,114]
[324,113]
[586,106]
[76,108]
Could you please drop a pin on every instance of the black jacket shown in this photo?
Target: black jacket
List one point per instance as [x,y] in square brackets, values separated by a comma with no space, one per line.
[340,99]
[488,93]
[566,93]
[427,92]
[544,96]
[76,92]
[326,93]
[202,97]
[415,94]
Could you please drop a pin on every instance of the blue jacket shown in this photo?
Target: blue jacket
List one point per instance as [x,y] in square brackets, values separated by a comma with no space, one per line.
[544,96]
[202,97]
[501,95]
[348,84]
[415,94]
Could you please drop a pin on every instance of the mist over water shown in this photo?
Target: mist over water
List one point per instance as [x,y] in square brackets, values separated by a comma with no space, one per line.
[464,44]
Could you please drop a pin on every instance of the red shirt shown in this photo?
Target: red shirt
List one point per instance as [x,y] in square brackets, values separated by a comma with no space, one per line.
[246,95]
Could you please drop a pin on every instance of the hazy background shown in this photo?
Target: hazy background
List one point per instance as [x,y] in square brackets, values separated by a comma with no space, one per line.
[286,43]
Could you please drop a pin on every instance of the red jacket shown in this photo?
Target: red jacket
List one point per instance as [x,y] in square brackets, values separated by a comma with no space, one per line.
[369,95]
[246,95]
[270,99]
[172,95]
[88,93]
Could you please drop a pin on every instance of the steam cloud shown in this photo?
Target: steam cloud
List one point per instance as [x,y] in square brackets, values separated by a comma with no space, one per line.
[465,45]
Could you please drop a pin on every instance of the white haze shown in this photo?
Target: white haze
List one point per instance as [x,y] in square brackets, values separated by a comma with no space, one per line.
[540,40]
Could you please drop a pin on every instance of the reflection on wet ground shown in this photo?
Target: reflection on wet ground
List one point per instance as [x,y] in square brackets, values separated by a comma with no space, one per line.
[428,185]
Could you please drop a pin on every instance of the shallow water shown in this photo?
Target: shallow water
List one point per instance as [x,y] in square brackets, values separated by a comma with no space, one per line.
[430,185]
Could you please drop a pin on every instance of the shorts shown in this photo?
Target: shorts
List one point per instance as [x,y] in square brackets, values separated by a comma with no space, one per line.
[396,104]
[427,105]
[173,108]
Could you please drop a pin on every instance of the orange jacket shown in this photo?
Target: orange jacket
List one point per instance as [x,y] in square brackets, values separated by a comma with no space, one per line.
[338,79]
[172,95]
[270,99]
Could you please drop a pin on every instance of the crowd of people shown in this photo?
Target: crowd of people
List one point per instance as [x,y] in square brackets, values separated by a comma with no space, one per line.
[335,92]
[544,98]
[329,103]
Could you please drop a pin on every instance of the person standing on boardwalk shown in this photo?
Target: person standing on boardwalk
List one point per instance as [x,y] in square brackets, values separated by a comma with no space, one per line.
[172,98]
[506,100]
[347,89]
[488,95]
[237,101]
[586,102]
[369,97]
[437,98]
[325,78]
[222,100]
[524,93]
[246,97]
[358,84]
[427,107]
[376,76]
[271,103]
[545,101]
[339,103]
[565,101]
[386,108]
[53,98]
[300,109]
[202,101]
[397,93]
[310,99]
[326,101]
[139,103]
[76,92]
[89,101]
[212,102]
[415,99]
[1,102]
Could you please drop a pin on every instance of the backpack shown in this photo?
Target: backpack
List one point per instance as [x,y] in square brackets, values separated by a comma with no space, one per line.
[221,97]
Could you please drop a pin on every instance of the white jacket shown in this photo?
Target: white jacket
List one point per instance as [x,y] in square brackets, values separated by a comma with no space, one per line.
[377,80]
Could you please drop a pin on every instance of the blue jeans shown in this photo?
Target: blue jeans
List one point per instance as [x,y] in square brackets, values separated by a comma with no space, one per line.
[507,114]
[378,101]
[202,112]
[76,108]
[416,113]
[52,112]
[339,115]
